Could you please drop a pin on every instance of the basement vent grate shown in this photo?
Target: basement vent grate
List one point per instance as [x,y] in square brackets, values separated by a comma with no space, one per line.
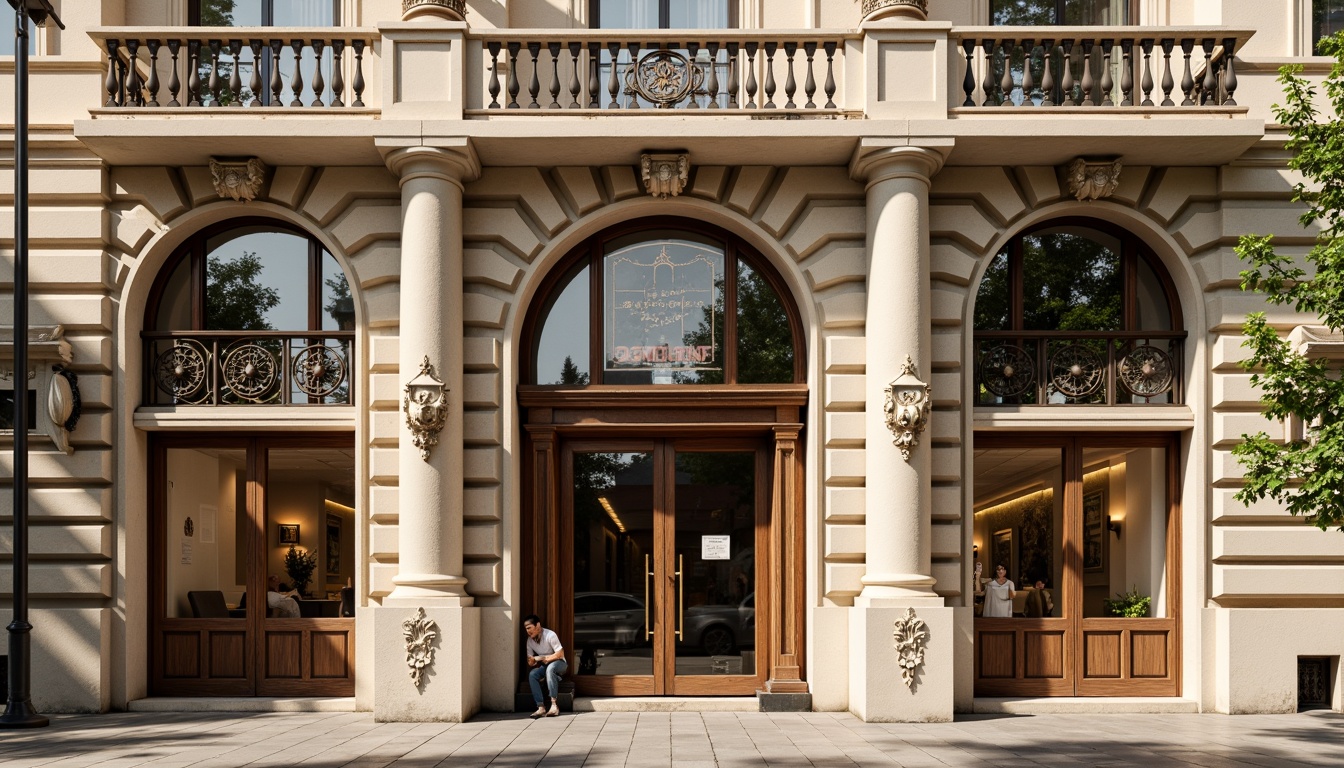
[1313,682]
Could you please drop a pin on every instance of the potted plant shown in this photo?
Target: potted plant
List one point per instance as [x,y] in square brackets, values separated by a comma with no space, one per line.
[300,565]
[1130,605]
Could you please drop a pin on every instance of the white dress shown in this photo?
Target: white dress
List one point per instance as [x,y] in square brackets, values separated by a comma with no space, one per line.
[998,599]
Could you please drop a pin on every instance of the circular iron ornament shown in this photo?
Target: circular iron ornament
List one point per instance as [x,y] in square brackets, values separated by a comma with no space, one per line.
[1146,371]
[664,78]
[250,371]
[1076,371]
[318,370]
[181,370]
[1007,371]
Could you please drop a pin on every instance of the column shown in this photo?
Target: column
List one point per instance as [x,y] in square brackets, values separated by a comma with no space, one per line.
[898,576]
[430,495]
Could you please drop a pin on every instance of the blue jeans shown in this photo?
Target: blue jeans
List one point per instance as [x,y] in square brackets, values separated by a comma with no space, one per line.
[552,672]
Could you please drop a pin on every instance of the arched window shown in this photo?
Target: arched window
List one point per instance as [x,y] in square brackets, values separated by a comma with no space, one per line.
[664,303]
[1077,312]
[250,312]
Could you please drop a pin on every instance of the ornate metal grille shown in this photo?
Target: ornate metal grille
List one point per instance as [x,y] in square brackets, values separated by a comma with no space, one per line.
[256,368]
[1313,682]
[1066,368]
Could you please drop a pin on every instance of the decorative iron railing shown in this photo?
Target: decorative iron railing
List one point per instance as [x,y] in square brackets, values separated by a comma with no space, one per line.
[1078,368]
[249,368]
[542,70]
[1097,66]
[237,67]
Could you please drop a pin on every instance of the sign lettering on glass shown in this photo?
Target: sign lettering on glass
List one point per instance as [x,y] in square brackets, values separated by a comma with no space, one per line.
[661,308]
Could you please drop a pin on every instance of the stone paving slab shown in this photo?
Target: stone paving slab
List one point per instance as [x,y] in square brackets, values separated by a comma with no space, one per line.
[675,740]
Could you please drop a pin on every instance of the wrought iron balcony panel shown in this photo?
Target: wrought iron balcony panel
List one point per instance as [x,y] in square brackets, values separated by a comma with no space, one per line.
[212,368]
[1078,368]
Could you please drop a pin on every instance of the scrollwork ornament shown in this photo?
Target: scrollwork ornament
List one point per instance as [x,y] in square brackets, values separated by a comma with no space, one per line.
[250,372]
[908,407]
[419,631]
[1007,371]
[663,77]
[1146,371]
[910,638]
[181,370]
[1076,371]
[318,370]
[426,407]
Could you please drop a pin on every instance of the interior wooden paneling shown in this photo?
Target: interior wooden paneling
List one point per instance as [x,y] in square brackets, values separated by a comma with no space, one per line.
[997,655]
[1044,654]
[181,654]
[1148,653]
[330,654]
[283,654]
[228,654]
[1101,654]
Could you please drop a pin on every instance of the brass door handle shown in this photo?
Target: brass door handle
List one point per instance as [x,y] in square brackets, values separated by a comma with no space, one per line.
[648,632]
[681,599]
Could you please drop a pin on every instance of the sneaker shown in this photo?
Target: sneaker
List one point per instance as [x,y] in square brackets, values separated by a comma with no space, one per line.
[553,711]
[541,712]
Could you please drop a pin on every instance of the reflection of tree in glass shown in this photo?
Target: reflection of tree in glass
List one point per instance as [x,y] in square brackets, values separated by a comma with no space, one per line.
[703,337]
[764,335]
[1024,13]
[570,373]
[235,300]
[595,475]
[1069,283]
[217,13]
[728,470]
[991,302]
[341,308]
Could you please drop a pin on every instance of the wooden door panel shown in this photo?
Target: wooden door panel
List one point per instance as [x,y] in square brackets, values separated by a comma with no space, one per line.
[996,656]
[182,655]
[1148,653]
[308,657]
[1044,655]
[1101,655]
[228,655]
[284,655]
[330,654]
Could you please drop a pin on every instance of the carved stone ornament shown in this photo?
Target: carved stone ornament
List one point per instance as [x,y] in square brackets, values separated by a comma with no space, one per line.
[883,9]
[664,175]
[908,407]
[664,77]
[452,10]
[1092,179]
[426,408]
[910,638]
[419,632]
[238,179]
[64,406]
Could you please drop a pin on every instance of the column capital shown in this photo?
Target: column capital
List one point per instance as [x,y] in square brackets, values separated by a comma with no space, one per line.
[877,160]
[452,159]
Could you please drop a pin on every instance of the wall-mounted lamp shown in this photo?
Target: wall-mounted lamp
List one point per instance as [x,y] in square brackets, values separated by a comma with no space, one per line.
[1113,526]
[289,534]
[975,551]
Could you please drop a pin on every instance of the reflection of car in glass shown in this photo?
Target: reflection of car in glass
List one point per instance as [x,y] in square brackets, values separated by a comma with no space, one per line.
[607,620]
[718,630]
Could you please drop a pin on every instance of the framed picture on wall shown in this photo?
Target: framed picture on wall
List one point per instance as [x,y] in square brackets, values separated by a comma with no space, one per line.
[1094,531]
[289,534]
[1001,551]
[333,545]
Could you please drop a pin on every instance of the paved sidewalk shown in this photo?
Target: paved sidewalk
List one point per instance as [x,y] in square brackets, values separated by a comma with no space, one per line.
[679,740]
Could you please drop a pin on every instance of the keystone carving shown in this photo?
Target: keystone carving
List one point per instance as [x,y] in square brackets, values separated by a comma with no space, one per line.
[1092,179]
[664,175]
[238,179]
[419,632]
[908,407]
[910,639]
[426,408]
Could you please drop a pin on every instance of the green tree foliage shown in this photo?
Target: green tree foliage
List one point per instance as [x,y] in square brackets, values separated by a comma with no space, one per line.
[570,373]
[1070,283]
[235,300]
[1305,475]
[217,13]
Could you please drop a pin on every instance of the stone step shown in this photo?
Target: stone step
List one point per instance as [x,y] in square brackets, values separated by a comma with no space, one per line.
[1084,705]
[667,704]
[243,704]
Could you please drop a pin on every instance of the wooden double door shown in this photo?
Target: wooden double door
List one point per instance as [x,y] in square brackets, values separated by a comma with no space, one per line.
[1091,525]
[227,515]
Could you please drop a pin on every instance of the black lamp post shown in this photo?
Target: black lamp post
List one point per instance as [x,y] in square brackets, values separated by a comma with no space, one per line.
[19,712]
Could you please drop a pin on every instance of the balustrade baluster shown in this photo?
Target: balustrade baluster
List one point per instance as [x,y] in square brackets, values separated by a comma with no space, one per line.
[554,49]
[1028,82]
[110,85]
[712,77]
[574,48]
[1107,82]
[968,82]
[494,87]
[790,87]
[1088,83]
[692,97]
[319,84]
[594,65]
[751,74]
[1230,78]
[1168,81]
[277,85]
[513,87]
[1008,48]
[1187,80]
[153,85]
[1127,73]
[830,73]
[134,96]
[296,82]
[214,83]
[337,76]
[633,71]
[1209,88]
[990,79]
[1047,73]
[1066,79]
[770,49]
[613,82]
[534,84]
[236,77]
[732,76]
[1147,83]
[193,73]
[810,82]
[174,84]
[358,84]
[254,82]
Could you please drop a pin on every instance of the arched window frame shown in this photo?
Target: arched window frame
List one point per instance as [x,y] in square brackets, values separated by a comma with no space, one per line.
[591,252]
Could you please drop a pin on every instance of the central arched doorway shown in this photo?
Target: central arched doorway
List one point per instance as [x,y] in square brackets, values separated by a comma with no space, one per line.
[663,404]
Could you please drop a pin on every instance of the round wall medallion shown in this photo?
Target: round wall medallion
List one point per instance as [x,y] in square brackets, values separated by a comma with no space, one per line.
[250,371]
[181,370]
[1076,371]
[664,78]
[1146,371]
[1007,371]
[318,370]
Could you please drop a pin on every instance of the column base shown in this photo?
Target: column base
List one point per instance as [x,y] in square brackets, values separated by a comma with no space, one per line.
[450,688]
[434,587]
[877,694]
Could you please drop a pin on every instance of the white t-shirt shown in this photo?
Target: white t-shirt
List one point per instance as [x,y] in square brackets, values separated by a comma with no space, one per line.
[998,599]
[284,605]
[545,644]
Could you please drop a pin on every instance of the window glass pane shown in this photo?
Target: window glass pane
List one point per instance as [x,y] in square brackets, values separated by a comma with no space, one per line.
[1022,13]
[1327,18]
[1071,281]
[561,356]
[231,13]
[256,280]
[7,409]
[338,307]
[206,559]
[1046,12]
[175,306]
[627,14]
[764,335]
[1019,517]
[1154,311]
[698,14]
[1123,537]
[663,310]
[991,302]
[310,530]
[1096,12]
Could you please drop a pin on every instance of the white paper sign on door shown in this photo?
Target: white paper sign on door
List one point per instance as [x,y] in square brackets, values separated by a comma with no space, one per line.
[715,547]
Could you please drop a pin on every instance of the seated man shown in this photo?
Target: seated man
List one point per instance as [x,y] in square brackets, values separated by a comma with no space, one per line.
[547,659]
[281,604]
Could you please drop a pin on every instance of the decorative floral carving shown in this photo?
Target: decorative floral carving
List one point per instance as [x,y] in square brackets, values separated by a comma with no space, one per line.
[881,8]
[1146,371]
[910,639]
[1076,371]
[1092,179]
[664,78]
[250,371]
[318,370]
[453,10]
[426,408]
[238,179]
[1007,371]
[908,407]
[419,632]
[664,175]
